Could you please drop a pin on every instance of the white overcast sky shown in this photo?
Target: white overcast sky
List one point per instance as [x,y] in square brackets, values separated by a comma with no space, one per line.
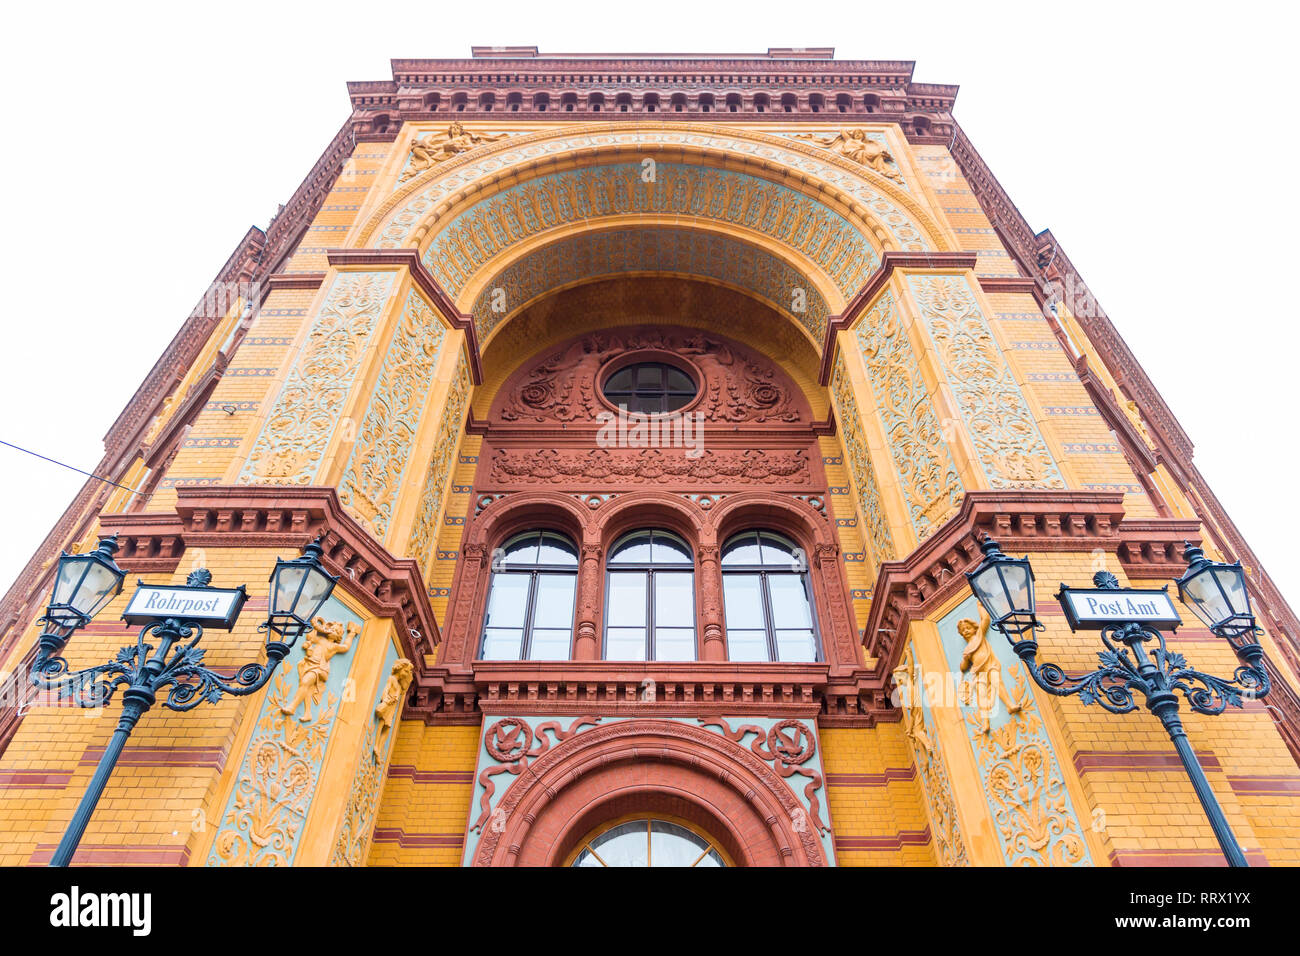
[1156,141]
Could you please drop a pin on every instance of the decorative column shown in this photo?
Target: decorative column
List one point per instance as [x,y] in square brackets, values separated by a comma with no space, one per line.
[587,604]
[842,634]
[473,585]
[715,647]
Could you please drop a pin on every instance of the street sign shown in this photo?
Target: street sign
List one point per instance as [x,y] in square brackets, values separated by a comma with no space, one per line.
[1092,609]
[212,607]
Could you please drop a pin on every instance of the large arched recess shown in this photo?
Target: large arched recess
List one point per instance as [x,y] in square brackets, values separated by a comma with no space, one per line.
[649,766]
[607,302]
[817,215]
[804,513]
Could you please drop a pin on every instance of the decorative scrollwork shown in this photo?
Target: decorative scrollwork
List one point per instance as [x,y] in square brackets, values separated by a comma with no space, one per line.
[786,752]
[1150,672]
[513,743]
[149,668]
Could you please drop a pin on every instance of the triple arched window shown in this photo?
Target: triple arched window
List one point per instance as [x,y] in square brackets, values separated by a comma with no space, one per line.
[650,605]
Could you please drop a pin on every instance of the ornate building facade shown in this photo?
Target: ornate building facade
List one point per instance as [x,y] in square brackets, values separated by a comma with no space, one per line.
[650,410]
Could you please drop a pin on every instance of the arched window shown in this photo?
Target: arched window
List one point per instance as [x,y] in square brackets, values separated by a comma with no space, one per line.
[530,601]
[650,599]
[649,843]
[766,599]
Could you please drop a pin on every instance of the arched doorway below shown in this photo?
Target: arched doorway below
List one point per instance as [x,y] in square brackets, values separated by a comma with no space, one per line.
[648,770]
[649,842]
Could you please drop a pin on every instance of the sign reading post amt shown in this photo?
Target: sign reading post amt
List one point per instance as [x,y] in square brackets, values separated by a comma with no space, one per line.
[1092,609]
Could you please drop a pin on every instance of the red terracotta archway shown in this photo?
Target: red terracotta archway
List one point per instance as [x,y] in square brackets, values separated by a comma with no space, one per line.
[648,765]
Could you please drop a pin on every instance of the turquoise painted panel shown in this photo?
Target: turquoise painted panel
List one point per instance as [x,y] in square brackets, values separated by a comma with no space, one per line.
[469,241]
[280,770]
[1019,769]
[358,823]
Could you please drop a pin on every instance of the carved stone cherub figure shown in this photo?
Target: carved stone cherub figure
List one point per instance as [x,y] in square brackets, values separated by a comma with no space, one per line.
[326,639]
[390,702]
[982,670]
[435,148]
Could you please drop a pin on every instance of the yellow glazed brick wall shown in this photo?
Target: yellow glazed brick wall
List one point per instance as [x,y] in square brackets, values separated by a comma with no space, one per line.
[424,810]
[1076,433]
[339,212]
[253,377]
[874,797]
[456,514]
[232,416]
[841,510]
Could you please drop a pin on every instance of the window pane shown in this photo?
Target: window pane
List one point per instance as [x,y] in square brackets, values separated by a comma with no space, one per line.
[632,551]
[743,601]
[627,598]
[550,644]
[672,845]
[674,644]
[670,551]
[710,859]
[522,551]
[587,858]
[620,381]
[557,551]
[679,381]
[789,601]
[741,550]
[746,645]
[649,377]
[675,599]
[777,552]
[625,644]
[502,643]
[553,606]
[625,845]
[508,601]
[796,646]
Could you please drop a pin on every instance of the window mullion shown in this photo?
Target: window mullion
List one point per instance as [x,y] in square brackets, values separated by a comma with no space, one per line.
[526,642]
[769,621]
[650,615]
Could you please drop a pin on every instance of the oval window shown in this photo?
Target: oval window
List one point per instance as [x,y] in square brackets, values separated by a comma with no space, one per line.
[651,388]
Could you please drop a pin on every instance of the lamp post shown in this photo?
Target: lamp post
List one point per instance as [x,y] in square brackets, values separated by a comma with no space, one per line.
[1216,592]
[173,622]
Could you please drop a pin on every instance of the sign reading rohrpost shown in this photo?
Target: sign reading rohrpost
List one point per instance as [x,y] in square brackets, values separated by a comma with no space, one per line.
[212,607]
[1092,609]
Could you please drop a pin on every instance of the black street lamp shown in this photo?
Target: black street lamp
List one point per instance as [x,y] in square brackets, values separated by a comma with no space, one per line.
[83,586]
[1216,592]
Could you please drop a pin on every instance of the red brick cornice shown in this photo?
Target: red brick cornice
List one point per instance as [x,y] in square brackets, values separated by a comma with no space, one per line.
[435,293]
[891,260]
[295,280]
[1014,285]
[1021,521]
[611,688]
[271,516]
